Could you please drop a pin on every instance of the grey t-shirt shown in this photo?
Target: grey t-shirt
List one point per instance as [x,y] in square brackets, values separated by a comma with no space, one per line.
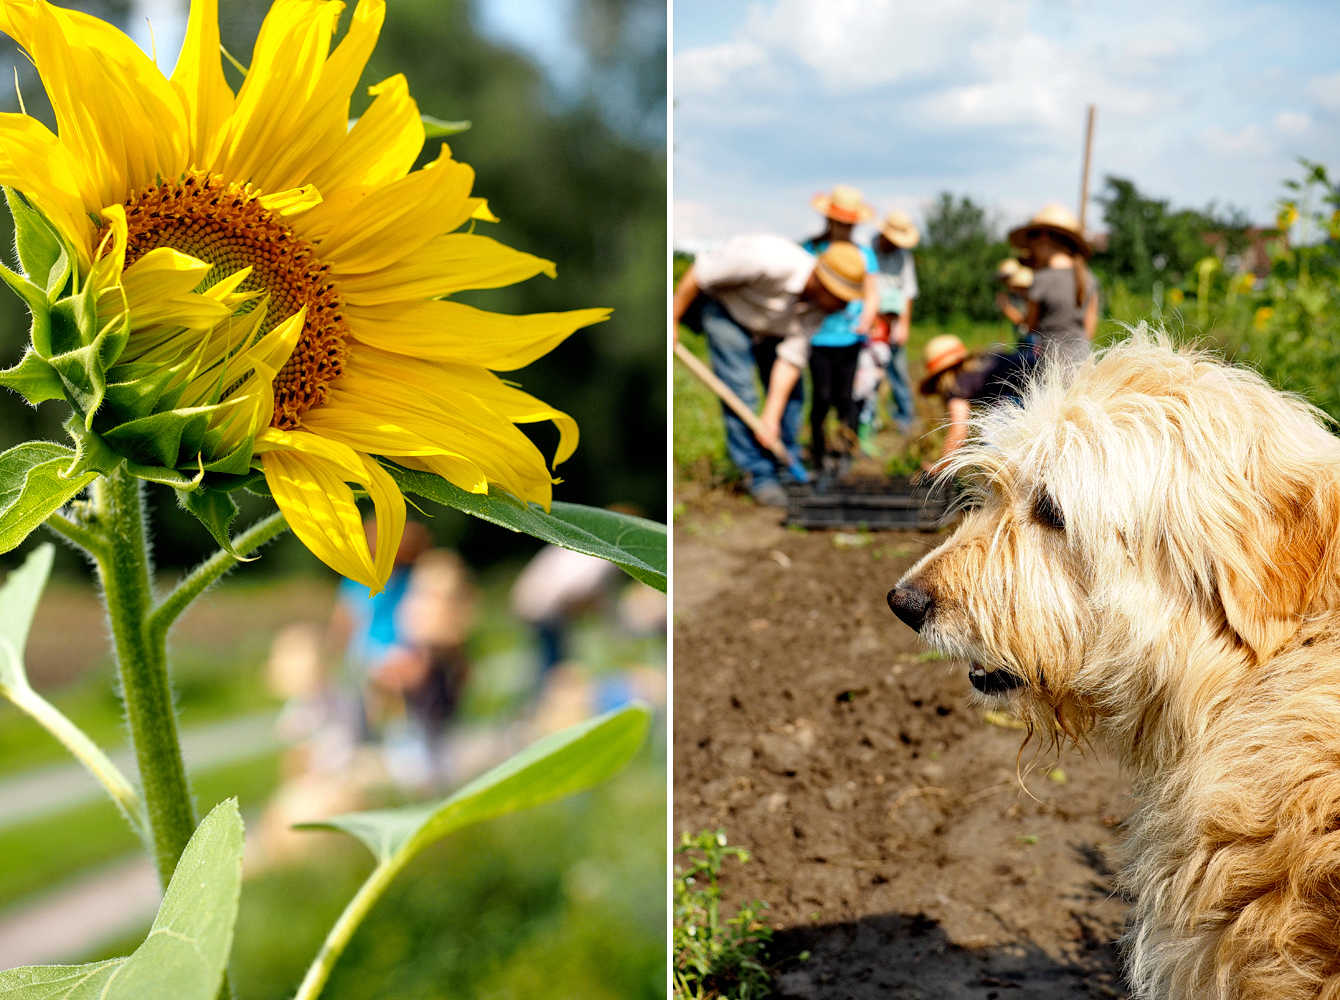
[1060,325]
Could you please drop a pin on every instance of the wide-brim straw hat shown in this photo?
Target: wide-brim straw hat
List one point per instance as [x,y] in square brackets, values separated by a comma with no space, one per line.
[841,269]
[899,229]
[941,353]
[843,204]
[1021,280]
[1007,268]
[1057,220]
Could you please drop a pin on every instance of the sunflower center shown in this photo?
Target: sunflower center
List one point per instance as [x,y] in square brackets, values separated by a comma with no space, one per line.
[226,225]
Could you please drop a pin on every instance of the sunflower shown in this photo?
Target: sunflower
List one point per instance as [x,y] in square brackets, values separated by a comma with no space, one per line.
[246,284]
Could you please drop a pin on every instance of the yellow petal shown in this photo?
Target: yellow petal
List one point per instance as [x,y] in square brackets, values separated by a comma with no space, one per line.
[389,506]
[452,331]
[441,380]
[456,471]
[394,418]
[199,79]
[278,147]
[286,65]
[321,510]
[34,161]
[394,222]
[445,264]
[294,201]
[381,147]
[115,111]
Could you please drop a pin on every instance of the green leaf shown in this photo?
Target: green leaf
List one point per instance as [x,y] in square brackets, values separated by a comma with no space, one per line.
[184,956]
[558,765]
[599,533]
[32,488]
[436,128]
[215,511]
[635,535]
[34,379]
[18,603]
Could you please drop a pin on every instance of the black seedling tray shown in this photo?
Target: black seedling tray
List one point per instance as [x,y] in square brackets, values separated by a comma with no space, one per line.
[876,505]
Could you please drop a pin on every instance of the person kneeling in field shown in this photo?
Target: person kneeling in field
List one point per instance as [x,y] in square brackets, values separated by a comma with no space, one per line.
[962,379]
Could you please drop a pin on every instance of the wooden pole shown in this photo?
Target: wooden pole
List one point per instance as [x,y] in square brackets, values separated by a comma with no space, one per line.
[1084,178]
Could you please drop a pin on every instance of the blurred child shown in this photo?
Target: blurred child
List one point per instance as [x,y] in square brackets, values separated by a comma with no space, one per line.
[835,348]
[1012,300]
[896,281]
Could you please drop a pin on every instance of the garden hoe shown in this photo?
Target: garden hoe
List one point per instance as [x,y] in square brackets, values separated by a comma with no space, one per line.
[708,378]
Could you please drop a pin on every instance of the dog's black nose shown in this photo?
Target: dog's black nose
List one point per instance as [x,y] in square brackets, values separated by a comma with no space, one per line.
[911,604]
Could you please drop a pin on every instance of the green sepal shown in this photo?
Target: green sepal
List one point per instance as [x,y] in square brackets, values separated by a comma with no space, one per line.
[136,390]
[167,477]
[81,353]
[38,306]
[42,252]
[215,511]
[91,452]
[163,439]
[253,481]
[33,487]
[34,379]
[237,462]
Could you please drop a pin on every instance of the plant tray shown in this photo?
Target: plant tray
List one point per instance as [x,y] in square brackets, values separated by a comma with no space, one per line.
[876,505]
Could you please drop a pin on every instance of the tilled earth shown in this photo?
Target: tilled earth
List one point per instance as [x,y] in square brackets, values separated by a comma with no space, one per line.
[891,834]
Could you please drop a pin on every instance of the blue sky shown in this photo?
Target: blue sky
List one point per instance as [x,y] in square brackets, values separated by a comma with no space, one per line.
[1197,101]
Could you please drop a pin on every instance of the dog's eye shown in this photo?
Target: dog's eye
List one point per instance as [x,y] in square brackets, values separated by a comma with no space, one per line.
[1047,512]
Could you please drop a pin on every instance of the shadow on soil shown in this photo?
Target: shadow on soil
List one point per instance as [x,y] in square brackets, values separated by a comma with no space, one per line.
[894,955]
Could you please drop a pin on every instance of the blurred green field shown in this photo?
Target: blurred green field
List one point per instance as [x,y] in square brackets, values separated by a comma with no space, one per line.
[565,900]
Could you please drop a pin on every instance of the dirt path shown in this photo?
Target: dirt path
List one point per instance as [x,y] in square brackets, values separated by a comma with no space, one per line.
[891,837]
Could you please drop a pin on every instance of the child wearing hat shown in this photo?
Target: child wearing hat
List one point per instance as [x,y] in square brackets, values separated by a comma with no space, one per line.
[1063,298]
[836,347]
[1012,300]
[963,380]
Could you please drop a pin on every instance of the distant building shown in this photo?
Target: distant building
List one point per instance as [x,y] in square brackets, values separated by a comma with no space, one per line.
[1256,257]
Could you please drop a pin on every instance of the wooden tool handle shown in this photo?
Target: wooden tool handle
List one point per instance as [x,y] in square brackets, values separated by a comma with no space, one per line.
[727,396]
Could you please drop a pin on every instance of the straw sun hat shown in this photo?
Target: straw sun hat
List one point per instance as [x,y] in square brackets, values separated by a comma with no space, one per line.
[1021,280]
[899,229]
[1007,268]
[1058,221]
[842,204]
[941,353]
[841,269]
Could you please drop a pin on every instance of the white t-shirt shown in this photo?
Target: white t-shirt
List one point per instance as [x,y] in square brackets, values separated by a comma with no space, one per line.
[758,279]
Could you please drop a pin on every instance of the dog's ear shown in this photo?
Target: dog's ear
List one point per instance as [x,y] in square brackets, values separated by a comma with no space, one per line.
[1286,558]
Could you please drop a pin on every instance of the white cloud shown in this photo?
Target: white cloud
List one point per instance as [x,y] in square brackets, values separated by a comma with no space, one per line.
[1248,141]
[712,68]
[863,43]
[1326,91]
[1292,123]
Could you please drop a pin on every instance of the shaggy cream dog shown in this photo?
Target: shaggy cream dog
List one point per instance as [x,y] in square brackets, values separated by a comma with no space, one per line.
[1152,563]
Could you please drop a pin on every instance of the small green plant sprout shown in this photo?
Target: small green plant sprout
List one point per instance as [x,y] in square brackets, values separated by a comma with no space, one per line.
[715,957]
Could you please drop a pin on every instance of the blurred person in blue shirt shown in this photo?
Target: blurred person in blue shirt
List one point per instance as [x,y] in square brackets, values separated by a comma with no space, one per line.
[836,346]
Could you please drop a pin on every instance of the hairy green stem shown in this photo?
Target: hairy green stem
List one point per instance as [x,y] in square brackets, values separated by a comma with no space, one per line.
[203,576]
[331,949]
[94,544]
[142,659]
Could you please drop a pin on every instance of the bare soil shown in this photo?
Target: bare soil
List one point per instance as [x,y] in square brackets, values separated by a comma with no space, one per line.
[893,836]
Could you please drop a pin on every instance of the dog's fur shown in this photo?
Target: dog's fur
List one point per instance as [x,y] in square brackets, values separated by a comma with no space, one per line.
[1187,615]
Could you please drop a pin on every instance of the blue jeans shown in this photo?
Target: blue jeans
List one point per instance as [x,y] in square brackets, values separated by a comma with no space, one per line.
[900,387]
[735,357]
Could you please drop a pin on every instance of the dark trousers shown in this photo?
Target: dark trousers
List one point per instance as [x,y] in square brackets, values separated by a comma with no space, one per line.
[833,371]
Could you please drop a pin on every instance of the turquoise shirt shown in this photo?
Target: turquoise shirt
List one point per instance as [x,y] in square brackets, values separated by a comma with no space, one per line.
[839,328]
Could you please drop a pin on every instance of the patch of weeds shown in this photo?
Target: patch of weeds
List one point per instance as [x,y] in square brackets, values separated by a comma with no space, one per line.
[852,540]
[799,529]
[932,654]
[1027,838]
[715,957]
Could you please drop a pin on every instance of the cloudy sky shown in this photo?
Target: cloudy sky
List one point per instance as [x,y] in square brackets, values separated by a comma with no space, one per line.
[1197,100]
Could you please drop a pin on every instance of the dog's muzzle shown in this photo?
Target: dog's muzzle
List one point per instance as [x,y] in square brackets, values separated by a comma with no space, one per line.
[996,681]
[911,604]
